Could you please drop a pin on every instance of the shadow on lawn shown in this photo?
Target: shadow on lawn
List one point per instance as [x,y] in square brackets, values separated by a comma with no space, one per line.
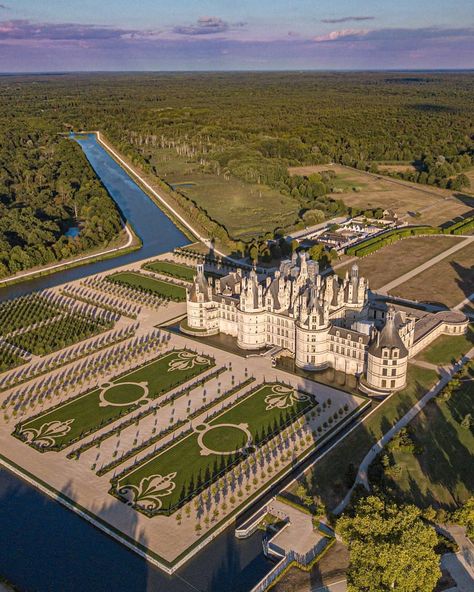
[443,463]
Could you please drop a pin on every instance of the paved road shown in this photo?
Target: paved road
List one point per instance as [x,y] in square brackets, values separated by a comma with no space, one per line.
[362,473]
[339,586]
[407,276]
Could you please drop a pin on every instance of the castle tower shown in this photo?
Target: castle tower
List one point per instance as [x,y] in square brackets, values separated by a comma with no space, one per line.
[387,359]
[252,327]
[312,331]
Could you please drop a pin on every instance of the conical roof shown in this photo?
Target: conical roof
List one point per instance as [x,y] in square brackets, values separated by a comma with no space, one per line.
[388,337]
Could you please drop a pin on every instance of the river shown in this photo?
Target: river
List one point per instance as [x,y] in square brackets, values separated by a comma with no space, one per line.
[47,548]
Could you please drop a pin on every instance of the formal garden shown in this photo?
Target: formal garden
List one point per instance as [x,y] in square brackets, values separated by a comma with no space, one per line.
[176,270]
[173,476]
[147,284]
[72,420]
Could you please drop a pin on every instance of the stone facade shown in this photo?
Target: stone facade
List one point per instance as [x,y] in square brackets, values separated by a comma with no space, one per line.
[322,321]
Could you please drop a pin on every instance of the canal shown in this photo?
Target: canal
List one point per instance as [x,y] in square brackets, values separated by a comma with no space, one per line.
[157,232]
[47,548]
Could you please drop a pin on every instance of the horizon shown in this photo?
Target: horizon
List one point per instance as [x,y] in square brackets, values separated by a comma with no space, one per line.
[272,36]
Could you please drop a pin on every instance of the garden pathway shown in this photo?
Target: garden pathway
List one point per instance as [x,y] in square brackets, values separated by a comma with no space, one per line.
[362,473]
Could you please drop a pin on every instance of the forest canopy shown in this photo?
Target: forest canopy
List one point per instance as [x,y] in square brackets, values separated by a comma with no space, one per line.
[47,187]
[247,127]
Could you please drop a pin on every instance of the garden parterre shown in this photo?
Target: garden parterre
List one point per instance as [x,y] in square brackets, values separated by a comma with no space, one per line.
[72,420]
[175,475]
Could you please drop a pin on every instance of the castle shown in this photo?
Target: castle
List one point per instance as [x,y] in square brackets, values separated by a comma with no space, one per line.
[323,321]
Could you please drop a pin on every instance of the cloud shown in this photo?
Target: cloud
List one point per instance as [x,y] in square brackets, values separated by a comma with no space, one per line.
[348,19]
[25,29]
[4,7]
[29,46]
[207,25]
[345,34]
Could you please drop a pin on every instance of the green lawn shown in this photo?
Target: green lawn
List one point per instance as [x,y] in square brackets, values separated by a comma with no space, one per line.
[442,475]
[331,478]
[148,284]
[173,269]
[162,483]
[246,209]
[448,348]
[70,421]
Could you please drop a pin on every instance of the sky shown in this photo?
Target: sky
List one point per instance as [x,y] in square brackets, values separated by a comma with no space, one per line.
[118,35]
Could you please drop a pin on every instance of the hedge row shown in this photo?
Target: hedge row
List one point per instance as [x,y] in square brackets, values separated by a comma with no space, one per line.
[373,244]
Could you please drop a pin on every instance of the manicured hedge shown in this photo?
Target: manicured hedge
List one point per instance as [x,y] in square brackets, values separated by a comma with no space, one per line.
[373,244]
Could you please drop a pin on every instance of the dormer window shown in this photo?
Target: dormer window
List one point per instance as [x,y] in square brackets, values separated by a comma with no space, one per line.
[385,353]
[395,353]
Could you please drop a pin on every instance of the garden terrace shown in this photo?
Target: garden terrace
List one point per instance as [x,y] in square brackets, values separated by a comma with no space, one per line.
[147,284]
[174,476]
[71,421]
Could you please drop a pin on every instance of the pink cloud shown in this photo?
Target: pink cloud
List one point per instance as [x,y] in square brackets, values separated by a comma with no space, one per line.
[342,34]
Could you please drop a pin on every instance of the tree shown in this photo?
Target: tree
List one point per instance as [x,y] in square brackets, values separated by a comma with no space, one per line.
[465,517]
[390,547]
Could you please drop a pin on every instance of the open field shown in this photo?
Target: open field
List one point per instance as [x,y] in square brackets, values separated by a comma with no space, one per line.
[245,209]
[447,349]
[366,191]
[332,477]
[212,448]
[394,260]
[70,421]
[395,168]
[450,281]
[442,474]
[148,284]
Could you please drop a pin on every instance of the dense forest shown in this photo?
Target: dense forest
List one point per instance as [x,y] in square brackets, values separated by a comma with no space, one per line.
[247,126]
[46,188]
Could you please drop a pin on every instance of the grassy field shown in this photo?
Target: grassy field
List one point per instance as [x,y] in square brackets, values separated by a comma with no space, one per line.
[392,261]
[448,348]
[365,191]
[172,269]
[185,467]
[450,281]
[442,474]
[331,478]
[59,427]
[148,284]
[246,210]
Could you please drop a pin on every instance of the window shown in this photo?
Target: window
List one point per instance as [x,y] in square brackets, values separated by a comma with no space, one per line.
[384,371]
[392,383]
[384,383]
[394,371]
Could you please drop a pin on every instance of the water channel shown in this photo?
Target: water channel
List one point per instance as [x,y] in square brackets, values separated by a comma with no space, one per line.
[47,548]
[157,232]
